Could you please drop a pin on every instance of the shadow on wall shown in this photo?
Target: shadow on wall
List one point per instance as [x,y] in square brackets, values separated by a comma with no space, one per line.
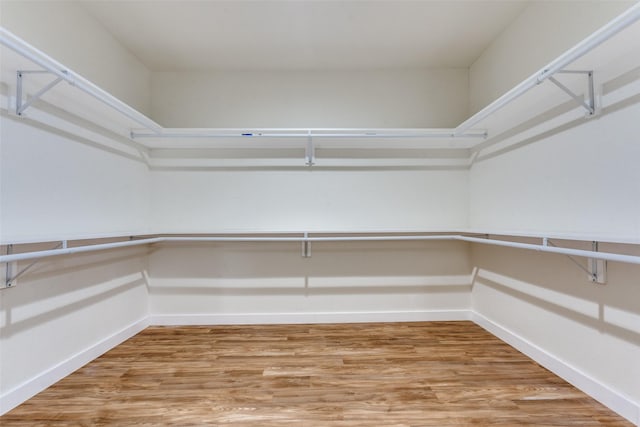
[61,286]
[101,139]
[339,276]
[307,290]
[619,82]
[550,285]
[327,260]
[355,268]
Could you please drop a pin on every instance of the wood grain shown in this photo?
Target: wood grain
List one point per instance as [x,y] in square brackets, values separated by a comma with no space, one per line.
[401,374]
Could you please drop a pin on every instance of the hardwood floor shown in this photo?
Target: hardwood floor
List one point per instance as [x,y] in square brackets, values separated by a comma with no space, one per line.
[392,374]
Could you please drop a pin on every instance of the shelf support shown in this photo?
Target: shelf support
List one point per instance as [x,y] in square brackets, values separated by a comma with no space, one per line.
[590,103]
[306,246]
[10,279]
[596,268]
[21,103]
[309,152]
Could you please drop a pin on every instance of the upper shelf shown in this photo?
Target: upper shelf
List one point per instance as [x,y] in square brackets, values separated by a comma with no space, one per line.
[469,136]
[62,72]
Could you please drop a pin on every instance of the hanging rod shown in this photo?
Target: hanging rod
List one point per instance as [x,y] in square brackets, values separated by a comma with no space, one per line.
[76,250]
[310,132]
[608,256]
[612,28]
[630,259]
[23,48]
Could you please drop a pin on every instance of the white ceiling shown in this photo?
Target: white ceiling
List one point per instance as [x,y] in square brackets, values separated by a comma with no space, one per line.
[277,35]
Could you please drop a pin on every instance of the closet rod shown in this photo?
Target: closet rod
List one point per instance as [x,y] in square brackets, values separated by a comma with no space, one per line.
[608,256]
[311,239]
[630,259]
[612,28]
[29,52]
[76,250]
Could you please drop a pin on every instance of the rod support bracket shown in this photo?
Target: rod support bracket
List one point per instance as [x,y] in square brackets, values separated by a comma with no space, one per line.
[11,277]
[306,246]
[9,267]
[22,103]
[310,151]
[597,267]
[590,103]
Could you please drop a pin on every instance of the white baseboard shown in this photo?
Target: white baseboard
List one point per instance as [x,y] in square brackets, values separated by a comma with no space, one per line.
[30,388]
[323,317]
[618,403]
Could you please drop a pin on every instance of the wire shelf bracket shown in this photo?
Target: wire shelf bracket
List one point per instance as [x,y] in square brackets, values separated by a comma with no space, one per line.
[22,103]
[310,151]
[596,269]
[10,278]
[590,104]
[306,246]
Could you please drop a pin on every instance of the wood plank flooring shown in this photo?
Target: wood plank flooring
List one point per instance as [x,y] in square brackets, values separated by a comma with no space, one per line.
[391,374]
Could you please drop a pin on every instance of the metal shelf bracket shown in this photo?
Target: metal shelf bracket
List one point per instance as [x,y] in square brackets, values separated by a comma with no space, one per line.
[306,246]
[310,151]
[590,103]
[596,269]
[21,103]
[10,278]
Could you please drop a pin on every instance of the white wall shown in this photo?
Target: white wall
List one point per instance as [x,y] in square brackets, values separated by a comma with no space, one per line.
[53,185]
[582,181]
[67,33]
[311,199]
[377,98]
[566,176]
[546,300]
[267,282]
[63,308]
[271,282]
[544,30]
[308,200]
[66,311]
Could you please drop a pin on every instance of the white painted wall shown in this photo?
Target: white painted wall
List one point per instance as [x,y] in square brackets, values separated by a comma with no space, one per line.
[583,181]
[580,181]
[271,282]
[544,30]
[66,311]
[564,174]
[308,200]
[313,199]
[53,185]
[374,98]
[545,299]
[565,177]
[60,309]
[67,33]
